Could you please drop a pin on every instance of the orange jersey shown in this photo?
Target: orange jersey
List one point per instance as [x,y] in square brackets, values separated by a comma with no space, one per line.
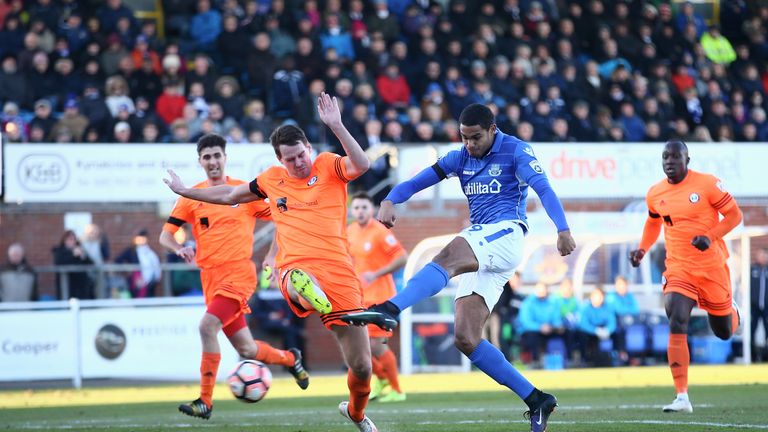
[688,209]
[310,214]
[373,247]
[223,233]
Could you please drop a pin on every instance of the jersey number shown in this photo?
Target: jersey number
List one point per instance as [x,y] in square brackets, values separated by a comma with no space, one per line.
[668,220]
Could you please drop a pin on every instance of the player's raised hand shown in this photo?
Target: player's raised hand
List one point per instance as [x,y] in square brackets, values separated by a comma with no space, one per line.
[565,243]
[328,109]
[387,214]
[636,256]
[175,183]
[701,242]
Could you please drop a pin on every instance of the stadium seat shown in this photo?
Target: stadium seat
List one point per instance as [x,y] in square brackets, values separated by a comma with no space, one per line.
[659,338]
[636,338]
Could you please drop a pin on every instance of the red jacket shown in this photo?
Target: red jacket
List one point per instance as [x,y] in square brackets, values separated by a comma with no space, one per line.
[393,91]
[170,107]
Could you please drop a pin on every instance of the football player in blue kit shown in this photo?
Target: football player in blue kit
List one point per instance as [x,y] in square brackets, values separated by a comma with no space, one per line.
[495,171]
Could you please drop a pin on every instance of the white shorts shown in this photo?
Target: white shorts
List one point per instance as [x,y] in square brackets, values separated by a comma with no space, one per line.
[498,248]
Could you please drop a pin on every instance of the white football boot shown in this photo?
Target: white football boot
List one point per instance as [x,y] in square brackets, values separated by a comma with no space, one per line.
[680,404]
[365,425]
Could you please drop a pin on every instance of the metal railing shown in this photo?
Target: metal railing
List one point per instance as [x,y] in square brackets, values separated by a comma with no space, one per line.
[100,272]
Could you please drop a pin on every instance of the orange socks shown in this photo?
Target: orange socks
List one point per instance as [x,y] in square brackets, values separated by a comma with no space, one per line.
[358,396]
[209,365]
[389,363]
[679,359]
[378,369]
[270,355]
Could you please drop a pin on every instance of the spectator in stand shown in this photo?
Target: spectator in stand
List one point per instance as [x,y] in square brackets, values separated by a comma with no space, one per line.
[204,28]
[170,104]
[597,323]
[624,304]
[687,15]
[18,280]
[71,121]
[716,47]
[568,306]
[540,320]
[393,87]
[229,97]
[109,14]
[69,252]
[143,282]
[43,118]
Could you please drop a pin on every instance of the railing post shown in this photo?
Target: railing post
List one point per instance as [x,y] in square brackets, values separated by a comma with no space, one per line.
[77,377]
[64,279]
[166,276]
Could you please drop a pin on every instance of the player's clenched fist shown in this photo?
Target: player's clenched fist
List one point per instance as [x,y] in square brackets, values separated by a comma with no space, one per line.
[636,256]
[701,242]
[565,243]
[387,214]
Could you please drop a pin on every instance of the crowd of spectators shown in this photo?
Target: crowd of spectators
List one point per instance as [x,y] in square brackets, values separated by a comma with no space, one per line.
[589,70]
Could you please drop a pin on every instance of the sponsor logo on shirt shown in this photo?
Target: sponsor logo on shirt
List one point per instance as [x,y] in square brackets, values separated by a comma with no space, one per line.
[468,172]
[477,188]
[312,181]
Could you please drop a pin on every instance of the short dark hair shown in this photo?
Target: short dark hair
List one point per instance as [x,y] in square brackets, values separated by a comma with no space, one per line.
[211,140]
[287,135]
[362,195]
[477,114]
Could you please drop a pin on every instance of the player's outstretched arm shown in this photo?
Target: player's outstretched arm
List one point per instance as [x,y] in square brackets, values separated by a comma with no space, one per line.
[651,232]
[357,162]
[222,194]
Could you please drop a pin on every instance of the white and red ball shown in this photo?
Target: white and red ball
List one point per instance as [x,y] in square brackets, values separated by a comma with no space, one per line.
[250,381]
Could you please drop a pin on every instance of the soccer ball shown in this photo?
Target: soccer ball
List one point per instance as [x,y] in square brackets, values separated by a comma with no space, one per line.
[250,381]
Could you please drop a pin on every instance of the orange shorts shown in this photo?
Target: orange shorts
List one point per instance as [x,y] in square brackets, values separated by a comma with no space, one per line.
[339,283]
[235,280]
[710,288]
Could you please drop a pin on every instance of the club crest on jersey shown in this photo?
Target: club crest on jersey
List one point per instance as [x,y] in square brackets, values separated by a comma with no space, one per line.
[312,181]
[694,198]
[282,204]
[494,170]
[536,166]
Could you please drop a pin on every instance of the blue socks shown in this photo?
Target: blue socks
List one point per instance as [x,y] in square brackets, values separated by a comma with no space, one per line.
[426,283]
[491,361]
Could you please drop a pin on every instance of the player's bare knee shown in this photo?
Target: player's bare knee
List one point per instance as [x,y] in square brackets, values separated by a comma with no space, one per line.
[247,351]
[361,368]
[208,329]
[465,342]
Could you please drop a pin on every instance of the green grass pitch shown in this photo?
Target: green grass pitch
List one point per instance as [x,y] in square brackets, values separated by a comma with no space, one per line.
[716,408]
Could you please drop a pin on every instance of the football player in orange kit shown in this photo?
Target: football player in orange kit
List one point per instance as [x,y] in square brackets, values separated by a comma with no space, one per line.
[689,205]
[376,253]
[308,202]
[224,236]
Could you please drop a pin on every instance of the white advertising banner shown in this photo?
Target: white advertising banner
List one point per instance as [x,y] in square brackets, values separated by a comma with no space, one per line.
[114,172]
[151,342]
[623,170]
[37,345]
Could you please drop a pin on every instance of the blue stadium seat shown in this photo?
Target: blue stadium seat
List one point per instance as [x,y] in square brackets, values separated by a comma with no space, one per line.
[556,346]
[636,337]
[659,338]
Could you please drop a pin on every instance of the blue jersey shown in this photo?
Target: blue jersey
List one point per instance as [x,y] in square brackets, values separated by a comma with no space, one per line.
[495,185]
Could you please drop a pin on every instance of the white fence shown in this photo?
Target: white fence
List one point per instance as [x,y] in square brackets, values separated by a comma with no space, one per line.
[138,339]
